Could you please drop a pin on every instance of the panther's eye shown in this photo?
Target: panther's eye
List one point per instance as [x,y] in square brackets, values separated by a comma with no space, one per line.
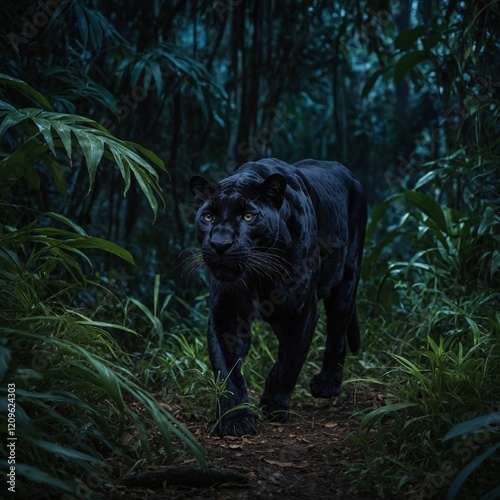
[208,217]
[248,217]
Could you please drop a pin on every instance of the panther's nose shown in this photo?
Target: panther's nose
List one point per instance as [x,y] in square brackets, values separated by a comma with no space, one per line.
[221,245]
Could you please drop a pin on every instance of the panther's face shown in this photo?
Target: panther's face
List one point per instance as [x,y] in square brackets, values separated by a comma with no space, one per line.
[237,225]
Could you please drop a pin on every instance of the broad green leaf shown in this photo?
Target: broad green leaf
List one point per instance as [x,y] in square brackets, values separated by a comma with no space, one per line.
[425,179]
[123,167]
[468,470]
[5,357]
[407,62]
[156,293]
[155,71]
[10,120]
[149,154]
[495,262]
[68,222]
[487,221]
[110,381]
[378,210]
[143,435]
[62,451]
[136,72]
[82,23]
[21,157]
[65,134]
[145,184]
[6,107]
[371,82]
[37,475]
[101,244]
[431,39]
[475,424]
[408,37]
[44,127]
[93,149]
[57,174]
[155,322]
[369,420]
[31,175]
[429,206]
[104,324]
[411,367]
[24,87]
[493,494]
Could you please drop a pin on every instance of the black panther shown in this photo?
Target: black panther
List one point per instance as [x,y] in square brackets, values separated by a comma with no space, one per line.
[276,239]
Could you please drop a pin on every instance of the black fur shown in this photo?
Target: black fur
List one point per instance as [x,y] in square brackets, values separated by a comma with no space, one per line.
[303,241]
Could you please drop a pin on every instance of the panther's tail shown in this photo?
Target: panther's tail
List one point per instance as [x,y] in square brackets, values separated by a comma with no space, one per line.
[353,335]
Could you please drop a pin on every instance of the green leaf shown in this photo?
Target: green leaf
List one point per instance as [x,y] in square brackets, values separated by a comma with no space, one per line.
[69,453]
[57,174]
[425,179]
[145,184]
[492,495]
[371,82]
[428,206]
[5,358]
[407,62]
[93,149]
[21,157]
[10,120]
[101,244]
[149,154]
[44,127]
[473,425]
[369,420]
[6,106]
[155,322]
[408,37]
[24,87]
[467,471]
[411,367]
[31,175]
[109,380]
[73,225]
[65,134]
[432,39]
[39,476]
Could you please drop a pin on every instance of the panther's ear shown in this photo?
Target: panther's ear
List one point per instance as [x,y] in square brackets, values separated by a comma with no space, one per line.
[274,188]
[201,189]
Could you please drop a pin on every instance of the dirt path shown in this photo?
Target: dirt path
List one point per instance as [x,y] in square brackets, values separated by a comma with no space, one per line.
[309,457]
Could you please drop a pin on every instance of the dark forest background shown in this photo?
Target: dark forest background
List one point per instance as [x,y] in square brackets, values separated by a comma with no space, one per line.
[105,98]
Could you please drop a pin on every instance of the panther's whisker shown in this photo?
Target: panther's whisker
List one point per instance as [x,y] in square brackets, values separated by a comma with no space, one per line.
[265,264]
[191,264]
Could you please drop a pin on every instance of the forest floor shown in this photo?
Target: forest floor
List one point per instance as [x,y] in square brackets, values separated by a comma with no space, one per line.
[311,456]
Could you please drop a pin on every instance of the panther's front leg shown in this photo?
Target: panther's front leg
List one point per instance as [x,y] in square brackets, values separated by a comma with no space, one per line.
[294,332]
[229,338]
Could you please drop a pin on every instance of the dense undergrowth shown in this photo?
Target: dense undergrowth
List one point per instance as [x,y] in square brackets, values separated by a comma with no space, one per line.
[70,398]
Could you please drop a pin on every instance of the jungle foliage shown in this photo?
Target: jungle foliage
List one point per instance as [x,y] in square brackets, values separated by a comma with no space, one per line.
[107,109]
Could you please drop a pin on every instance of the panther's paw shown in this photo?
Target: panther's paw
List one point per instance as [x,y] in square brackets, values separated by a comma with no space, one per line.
[238,425]
[323,386]
[274,411]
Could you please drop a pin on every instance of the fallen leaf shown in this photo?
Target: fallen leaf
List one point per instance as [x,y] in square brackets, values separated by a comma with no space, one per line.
[189,461]
[330,425]
[301,465]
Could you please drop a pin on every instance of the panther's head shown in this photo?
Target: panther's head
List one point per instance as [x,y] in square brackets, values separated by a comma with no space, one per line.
[237,224]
